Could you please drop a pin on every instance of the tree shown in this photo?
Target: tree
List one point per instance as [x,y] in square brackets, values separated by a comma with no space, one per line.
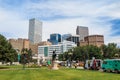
[94,51]
[83,53]
[26,55]
[117,54]
[78,53]
[87,52]
[110,50]
[7,53]
[61,57]
[30,55]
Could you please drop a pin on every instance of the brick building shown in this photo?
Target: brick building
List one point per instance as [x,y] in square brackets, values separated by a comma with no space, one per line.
[96,40]
[19,43]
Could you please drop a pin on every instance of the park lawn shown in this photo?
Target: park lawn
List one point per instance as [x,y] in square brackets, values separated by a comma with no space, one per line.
[10,66]
[61,74]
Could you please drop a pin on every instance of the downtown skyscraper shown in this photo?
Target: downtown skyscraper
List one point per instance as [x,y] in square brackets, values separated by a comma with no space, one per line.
[82,32]
[35,31]
[55,38]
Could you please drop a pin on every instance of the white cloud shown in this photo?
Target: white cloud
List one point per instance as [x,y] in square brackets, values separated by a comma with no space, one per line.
[80,12]
[74,8]
[115,39]
[12,23]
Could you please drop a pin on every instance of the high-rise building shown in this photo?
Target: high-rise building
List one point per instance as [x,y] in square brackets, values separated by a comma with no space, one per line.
[65,36]
[35,31]
[55,38]
[70,37]
[82,32]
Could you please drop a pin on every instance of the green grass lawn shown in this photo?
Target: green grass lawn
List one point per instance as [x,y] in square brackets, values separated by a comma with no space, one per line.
[61,74]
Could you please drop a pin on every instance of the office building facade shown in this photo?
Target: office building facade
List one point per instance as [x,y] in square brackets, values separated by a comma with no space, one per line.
[96,40]
[55,38]
[35,31]
[70,37]
[82,32]
[34,47]
[47,51]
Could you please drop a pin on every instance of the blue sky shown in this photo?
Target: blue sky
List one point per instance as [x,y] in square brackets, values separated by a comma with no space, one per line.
[61,16]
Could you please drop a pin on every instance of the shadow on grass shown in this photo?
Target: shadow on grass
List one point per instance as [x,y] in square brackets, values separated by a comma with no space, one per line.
[4,67]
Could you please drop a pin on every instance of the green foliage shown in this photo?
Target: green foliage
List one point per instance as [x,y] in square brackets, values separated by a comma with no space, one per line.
[60,57]
[94,51]
[110,50]
[26,55]
[7,53]
[118,53]
[84,52]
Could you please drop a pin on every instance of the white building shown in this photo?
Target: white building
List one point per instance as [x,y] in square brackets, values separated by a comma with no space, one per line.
[47,51]
[35,31]
[66,45]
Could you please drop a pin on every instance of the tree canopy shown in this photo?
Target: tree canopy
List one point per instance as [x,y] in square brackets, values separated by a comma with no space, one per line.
[110,50]
[7,53]
[87,52]
[26,55]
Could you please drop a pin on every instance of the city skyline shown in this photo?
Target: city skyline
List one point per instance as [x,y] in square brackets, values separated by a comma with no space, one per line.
[61,16]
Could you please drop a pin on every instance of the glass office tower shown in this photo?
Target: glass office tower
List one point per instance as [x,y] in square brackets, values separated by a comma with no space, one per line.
[55,38]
